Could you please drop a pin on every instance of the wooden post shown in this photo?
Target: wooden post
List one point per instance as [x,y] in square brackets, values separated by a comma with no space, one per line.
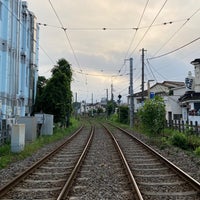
[196,128]
[179,125]
[183,126]
[191,126]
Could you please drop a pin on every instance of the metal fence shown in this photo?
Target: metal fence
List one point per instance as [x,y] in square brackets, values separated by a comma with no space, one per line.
[184,126]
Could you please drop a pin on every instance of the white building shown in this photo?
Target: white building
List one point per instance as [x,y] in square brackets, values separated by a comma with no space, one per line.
[190,101]
[18,58]
[171,91]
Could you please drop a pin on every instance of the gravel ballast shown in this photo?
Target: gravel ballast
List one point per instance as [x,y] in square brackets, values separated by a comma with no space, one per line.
[186,162]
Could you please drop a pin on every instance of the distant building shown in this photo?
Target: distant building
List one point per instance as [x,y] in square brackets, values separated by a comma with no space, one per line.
[171,91]
[19,41]
[190,101]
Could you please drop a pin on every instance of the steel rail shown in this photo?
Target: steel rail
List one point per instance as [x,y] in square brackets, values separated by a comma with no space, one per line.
[123,158]
[183,174]
[66,188]
[20,177]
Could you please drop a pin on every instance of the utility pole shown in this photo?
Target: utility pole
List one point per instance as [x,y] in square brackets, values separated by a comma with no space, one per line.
[131,94]
[143,75]
[92,106]
[76,106]
[106,103]
[111,92]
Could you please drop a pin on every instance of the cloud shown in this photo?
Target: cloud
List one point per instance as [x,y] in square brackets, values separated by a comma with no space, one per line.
[101,51]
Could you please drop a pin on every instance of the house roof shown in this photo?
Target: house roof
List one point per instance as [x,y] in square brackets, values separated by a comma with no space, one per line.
[189,96]
[139,94]
[168,84]
[196,61]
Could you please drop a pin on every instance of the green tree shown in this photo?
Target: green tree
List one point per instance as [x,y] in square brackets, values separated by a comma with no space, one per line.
[152,115]
[111,105]
[56,95]
[42,81]
[64,67]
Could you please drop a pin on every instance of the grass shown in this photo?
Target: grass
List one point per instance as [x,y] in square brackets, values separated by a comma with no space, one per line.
[7,157]
[169,138]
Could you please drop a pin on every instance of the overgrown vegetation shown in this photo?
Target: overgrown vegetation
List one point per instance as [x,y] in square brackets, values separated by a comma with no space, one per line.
[123,114]
[152,116]
[6,156]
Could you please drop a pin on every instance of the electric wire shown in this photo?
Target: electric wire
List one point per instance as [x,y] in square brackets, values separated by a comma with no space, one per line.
[186,21]
[149,27]
[68,39]
[177,49]
[130,45]
[138,27]
[162,90]
[110,28]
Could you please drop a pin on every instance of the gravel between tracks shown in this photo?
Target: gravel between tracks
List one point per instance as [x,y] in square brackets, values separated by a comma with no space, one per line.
[189,164]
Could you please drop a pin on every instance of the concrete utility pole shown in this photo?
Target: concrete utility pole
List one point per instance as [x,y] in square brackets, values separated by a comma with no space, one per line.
[76,104]
[143,75]
[111,92]
[131,94]
[92,105]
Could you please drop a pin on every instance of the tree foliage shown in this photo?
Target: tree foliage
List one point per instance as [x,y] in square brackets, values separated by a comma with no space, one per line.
[55,96]
[123,114]
[152,115]
[111,105]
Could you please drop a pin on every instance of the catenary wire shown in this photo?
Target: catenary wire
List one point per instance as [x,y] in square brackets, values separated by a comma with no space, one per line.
[149,28]
[68,39]
[186,21]
[177,49]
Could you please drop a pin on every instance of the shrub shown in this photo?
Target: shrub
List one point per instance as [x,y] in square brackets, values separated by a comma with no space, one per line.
[123,114]
[179,140]
[152,115]
[193,142]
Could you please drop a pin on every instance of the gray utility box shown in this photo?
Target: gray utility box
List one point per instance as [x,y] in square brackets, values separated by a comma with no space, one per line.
[30,127]
[18,138]
[45,123]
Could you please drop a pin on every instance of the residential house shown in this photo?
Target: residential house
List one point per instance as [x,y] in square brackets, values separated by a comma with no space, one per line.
[190,101]
[170,91]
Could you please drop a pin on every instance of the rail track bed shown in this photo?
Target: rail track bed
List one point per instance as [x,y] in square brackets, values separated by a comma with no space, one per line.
[156,179]
[105,162]
[47,179]
[102,175]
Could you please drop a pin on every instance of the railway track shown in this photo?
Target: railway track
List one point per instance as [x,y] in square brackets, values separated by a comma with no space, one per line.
[100,164]
[102,175]
[156,177]
[47,178]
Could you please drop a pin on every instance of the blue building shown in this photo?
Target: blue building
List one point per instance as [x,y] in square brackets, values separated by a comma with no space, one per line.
[19,45]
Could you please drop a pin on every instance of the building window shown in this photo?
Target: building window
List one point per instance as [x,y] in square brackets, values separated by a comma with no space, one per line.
[0,10]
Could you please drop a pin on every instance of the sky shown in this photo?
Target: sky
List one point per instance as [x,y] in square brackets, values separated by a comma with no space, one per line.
[98,38]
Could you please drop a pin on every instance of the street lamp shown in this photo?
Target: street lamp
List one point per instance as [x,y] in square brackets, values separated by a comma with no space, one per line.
[148,87]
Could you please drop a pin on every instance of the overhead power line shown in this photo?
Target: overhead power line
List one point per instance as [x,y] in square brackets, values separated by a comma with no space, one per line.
[68,39]
[109,28]
[149,26]
[138,27]
[177,49]
[176,32]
